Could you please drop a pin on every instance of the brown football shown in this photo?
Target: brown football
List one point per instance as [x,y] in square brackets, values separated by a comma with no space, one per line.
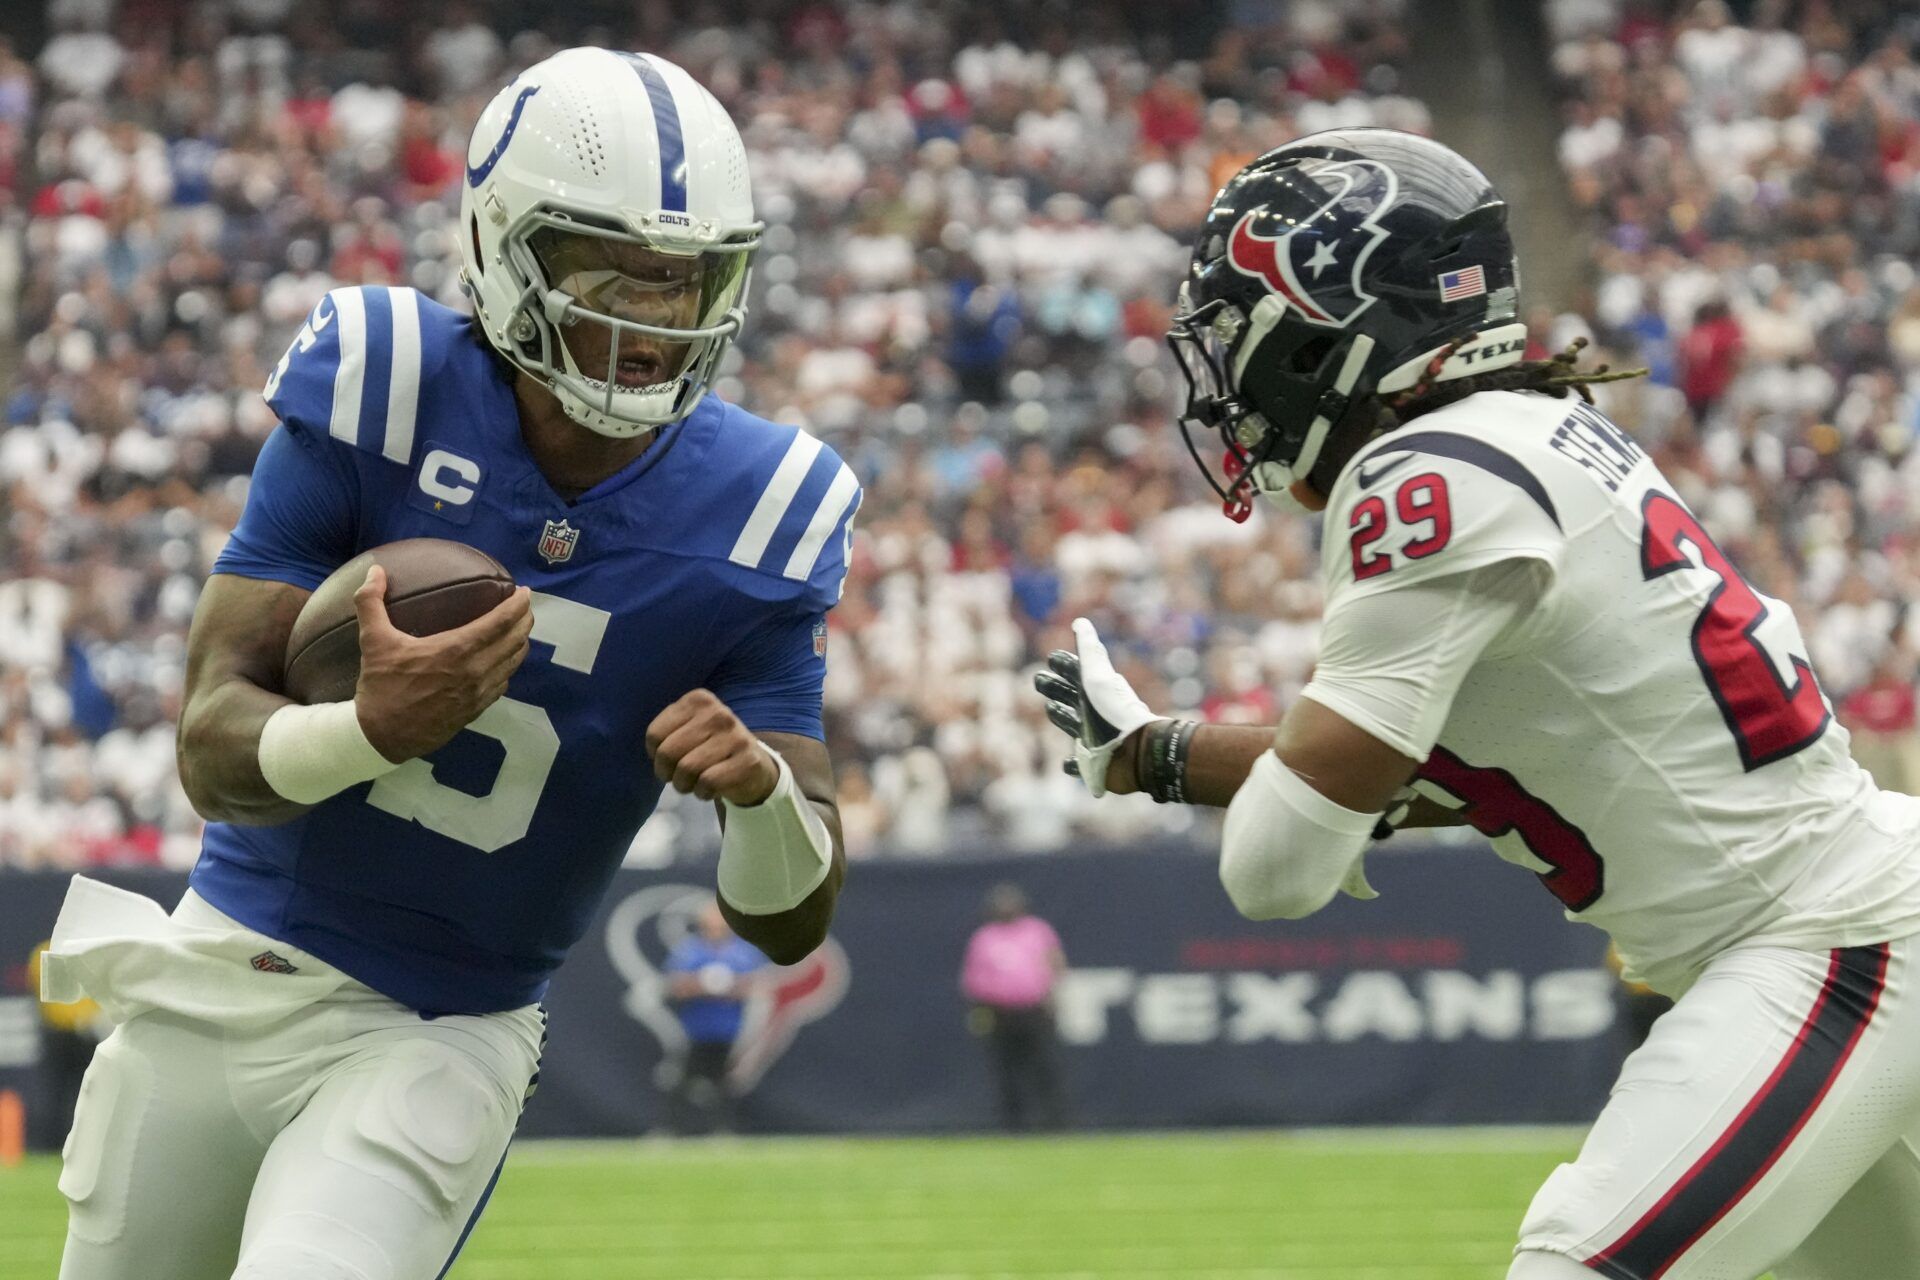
[432,586]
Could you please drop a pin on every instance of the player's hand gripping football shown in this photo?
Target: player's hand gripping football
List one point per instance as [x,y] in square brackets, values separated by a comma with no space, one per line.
[700,746]
[416,692]
[1094,705]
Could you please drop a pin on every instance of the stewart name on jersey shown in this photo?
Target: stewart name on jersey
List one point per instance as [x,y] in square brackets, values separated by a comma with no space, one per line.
[457,883]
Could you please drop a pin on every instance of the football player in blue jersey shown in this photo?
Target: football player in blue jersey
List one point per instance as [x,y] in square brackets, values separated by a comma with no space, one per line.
[324,1049]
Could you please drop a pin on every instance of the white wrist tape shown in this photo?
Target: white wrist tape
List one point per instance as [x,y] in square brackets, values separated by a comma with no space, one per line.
[1286,848]
[773,854]
[310,753]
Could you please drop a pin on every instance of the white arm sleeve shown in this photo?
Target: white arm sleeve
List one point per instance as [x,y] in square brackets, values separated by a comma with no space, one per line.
[1285,847]
[310,753]
[1391,661]
[775,853]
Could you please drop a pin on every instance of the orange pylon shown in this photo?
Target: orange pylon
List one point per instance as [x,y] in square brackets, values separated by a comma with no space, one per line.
[13,1129]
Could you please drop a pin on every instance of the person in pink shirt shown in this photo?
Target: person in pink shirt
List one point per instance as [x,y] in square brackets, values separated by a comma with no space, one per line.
[1011,966]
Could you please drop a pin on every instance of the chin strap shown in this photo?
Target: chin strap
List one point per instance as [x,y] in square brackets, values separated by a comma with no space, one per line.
[1274,480]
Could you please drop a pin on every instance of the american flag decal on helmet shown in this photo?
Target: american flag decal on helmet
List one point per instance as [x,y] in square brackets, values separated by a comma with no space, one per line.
[1467,282]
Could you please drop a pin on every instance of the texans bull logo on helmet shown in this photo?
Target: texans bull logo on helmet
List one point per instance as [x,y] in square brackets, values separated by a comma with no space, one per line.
[1316,267]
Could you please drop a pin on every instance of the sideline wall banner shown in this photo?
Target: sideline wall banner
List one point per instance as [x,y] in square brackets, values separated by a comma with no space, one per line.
[1461,995]
[1458,996]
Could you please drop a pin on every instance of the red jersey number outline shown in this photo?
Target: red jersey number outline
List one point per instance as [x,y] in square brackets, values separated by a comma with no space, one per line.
[1499,805]
[1374,511]
[1434,506]
[1420,499]
[1769,718]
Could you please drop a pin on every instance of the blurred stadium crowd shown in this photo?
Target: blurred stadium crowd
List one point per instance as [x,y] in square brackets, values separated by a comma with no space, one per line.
[978,214]
[1753,184]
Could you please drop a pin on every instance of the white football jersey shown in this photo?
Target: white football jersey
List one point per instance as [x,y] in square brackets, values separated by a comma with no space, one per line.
[1651,738]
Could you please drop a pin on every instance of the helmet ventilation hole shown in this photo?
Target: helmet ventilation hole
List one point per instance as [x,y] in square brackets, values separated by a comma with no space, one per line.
[584,142]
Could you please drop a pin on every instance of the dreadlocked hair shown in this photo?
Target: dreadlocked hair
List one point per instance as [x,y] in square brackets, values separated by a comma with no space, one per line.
[1555,376]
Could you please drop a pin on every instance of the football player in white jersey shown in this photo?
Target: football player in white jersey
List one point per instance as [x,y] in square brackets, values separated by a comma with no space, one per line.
[1526,629]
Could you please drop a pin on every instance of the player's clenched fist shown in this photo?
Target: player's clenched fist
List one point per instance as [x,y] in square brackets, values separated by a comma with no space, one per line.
[699,745]
[416,692]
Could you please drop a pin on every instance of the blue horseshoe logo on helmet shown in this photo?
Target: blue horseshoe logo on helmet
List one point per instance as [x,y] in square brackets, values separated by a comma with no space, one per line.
[477,176]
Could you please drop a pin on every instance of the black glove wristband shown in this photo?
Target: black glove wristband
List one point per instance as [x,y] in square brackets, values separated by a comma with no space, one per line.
[1161,765]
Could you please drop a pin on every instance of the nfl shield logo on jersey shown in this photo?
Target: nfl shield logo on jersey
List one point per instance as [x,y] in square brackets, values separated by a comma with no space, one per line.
[557,541]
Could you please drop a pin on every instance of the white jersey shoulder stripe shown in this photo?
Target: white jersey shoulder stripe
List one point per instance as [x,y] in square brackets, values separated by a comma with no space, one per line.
[403,383]
[350,309]
[826,517]
[774,501]
[1468,449]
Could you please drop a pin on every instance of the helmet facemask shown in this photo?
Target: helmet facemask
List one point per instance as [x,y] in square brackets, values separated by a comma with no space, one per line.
[1271,387]
[625,330]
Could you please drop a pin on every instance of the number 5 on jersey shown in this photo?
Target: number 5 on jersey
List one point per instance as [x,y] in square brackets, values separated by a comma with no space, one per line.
[525,732]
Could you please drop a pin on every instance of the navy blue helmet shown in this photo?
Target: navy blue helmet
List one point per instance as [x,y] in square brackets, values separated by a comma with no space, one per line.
[1330,272]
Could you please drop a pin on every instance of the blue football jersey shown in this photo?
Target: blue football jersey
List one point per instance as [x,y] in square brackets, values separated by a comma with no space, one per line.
[456,883]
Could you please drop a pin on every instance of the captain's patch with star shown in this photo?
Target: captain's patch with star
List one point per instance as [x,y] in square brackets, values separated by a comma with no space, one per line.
[446,483]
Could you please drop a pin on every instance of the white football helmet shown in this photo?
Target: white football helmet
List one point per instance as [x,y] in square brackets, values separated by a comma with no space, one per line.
[606,230]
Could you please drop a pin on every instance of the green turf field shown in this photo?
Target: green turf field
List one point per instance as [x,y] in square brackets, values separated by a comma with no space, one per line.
[1365,1205]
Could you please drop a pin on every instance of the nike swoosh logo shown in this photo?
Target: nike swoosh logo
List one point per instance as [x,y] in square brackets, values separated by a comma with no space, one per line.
[478,175]
[1366,478]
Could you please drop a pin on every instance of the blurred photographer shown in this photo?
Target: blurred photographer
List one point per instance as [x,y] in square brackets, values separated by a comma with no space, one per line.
[1012,964]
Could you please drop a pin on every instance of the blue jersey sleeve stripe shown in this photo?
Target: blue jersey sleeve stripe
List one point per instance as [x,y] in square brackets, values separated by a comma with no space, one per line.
[403,380]
[793,524]
[826,518]
[774,501]
[350,318]
[378,309]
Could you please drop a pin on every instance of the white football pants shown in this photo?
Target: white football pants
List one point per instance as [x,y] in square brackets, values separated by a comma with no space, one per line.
[1770,1122]
[348,1139]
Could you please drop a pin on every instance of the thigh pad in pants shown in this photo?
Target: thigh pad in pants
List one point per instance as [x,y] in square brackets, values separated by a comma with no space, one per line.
[425,1120]
[96,1169]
